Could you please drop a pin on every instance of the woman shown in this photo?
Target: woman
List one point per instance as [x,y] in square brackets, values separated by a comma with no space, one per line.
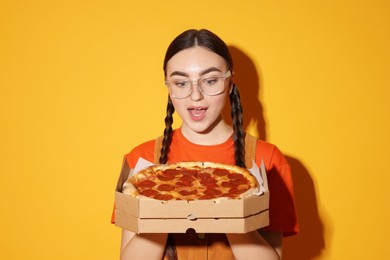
[199,74]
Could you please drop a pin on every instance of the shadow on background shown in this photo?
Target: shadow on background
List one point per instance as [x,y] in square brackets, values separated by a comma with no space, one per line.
[309,243]
[248,82]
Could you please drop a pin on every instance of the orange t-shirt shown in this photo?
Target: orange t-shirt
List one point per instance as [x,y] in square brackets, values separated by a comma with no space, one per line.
[282,207]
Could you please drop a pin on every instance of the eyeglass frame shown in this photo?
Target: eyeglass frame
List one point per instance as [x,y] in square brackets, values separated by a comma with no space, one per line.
[224,77]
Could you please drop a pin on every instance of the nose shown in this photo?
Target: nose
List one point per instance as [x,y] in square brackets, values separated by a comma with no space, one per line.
[196,93]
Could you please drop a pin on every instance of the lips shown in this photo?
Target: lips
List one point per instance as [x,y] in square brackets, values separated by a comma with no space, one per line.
[197,113]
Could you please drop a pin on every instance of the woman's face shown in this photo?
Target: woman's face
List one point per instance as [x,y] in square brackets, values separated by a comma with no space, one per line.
[200,113]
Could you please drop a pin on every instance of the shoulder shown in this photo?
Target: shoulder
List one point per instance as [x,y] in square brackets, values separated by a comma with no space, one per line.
[270,153]
[144,150]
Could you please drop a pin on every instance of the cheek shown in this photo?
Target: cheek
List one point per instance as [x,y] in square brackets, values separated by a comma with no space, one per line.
[219,102]
[178,104]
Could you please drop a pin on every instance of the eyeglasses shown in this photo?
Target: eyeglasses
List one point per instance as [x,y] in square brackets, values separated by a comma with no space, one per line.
[208,85]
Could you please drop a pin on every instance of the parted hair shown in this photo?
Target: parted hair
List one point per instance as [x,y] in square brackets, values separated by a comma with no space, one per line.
[213,43]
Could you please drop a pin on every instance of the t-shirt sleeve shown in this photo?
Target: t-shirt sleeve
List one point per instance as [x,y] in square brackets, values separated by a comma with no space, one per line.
[282,212]
[145,151]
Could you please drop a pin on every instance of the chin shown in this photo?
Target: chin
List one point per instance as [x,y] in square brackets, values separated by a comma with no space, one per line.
[200,128]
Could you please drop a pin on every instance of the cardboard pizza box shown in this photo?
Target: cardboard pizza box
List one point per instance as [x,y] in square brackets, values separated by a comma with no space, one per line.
[146,215]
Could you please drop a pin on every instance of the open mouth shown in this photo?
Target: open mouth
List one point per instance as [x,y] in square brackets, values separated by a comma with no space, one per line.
[197,113]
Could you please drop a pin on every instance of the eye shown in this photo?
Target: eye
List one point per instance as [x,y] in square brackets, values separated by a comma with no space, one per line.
[180,83]
[210,81]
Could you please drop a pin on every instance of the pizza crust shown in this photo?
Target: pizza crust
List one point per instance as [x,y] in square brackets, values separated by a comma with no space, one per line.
[129,189]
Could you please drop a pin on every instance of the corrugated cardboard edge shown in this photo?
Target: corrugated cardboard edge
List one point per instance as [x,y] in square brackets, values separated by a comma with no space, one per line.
[206,225]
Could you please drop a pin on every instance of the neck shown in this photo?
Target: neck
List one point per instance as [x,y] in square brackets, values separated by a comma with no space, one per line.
[219,134]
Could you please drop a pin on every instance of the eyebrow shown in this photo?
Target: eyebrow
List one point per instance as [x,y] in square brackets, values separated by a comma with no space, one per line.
[180,73]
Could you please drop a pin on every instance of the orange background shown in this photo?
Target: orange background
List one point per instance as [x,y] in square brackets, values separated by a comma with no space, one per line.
[82,83]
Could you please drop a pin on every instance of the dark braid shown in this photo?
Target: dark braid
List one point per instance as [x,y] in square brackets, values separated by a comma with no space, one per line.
[170,247]
[167,132]
[239,133]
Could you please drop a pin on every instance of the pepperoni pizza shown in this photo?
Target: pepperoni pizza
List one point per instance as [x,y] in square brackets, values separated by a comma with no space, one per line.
[192,181]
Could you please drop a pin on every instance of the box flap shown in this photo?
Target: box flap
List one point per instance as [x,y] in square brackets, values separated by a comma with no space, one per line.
[263,173]
[125,171]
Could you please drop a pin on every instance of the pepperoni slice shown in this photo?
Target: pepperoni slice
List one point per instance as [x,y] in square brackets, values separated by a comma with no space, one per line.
[211,191]
[181,184]
[165,187]
[203,175]
[221,172]
[228,184]
[206,197]
[163,197]
[236,190]
[185,172]
[235,176]
[209,182]
[239,181]
[186,180]
[165,177]
[172,172]
[149,193]
[146,184]
[186,192]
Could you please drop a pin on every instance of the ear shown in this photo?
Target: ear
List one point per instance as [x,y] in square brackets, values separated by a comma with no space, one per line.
[231,86]
[231,83]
